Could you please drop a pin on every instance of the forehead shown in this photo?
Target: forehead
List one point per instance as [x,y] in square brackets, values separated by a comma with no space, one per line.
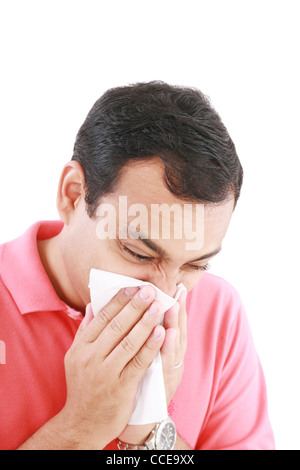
[143,182]
[143,195]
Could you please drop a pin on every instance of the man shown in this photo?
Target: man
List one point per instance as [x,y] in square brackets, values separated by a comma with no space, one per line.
[70,379]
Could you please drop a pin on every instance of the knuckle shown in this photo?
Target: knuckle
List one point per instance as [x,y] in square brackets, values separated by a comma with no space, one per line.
[152,315]
[103,316]
[119,300]
[115,325]
[147,321]
[138,362]
[136,305]
[127,345]
[152,346]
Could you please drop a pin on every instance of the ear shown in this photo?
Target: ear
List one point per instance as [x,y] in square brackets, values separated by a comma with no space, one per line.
[70,190]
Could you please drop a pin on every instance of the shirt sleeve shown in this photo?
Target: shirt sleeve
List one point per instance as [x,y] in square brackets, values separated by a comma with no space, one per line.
[238,417]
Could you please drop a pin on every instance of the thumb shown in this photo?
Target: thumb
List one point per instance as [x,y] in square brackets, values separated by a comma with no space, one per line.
[88,317]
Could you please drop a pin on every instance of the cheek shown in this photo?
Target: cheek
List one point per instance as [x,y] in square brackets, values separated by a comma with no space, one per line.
[108,258]
[123,266]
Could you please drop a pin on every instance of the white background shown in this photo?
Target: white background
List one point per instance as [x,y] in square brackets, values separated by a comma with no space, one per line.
[59,56]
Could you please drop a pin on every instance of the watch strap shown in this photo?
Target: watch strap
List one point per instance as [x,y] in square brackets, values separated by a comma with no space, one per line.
[153,440]
[146,446]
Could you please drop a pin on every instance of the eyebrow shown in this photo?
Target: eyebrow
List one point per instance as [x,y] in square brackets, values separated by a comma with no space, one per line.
[159,250]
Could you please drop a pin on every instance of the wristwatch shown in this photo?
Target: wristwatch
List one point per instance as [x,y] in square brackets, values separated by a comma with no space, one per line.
[162,437]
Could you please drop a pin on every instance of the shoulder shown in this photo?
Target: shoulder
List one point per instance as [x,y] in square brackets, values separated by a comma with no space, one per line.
[214,304]
[213,290]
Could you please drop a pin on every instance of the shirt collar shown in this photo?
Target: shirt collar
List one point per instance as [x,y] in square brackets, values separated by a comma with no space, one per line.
[24,275]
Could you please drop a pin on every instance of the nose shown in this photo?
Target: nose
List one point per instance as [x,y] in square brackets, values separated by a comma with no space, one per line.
[167,284]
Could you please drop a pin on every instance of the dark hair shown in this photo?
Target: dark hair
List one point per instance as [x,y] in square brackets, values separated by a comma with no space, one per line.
[146,120]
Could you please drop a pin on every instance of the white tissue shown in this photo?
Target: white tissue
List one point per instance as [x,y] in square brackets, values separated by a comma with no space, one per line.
[151,405]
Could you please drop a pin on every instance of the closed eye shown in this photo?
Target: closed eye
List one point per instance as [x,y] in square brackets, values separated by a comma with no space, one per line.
[204,267]
[136,255]
[150,259]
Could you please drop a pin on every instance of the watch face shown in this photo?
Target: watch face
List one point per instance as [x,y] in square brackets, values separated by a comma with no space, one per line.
[166,435]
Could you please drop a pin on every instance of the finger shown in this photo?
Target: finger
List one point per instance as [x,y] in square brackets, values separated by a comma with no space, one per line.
[88,317]
[122,323]
[168,348]
[182,325]
[107,313]
[171,316]
[130,345]
[174,346]
[182,297]
[137,367]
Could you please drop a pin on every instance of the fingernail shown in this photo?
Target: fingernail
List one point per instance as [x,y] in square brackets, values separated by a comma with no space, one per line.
[146,292]
[158,332]
[154,308]
[130,291]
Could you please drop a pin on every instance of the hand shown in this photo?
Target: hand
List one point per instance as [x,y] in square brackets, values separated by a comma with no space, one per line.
[172,352]
[108,358]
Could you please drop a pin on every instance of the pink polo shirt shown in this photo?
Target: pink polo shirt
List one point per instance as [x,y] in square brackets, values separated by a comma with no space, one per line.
[221,402]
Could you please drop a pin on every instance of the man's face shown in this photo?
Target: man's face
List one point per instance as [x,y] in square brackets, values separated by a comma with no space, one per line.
[115,239]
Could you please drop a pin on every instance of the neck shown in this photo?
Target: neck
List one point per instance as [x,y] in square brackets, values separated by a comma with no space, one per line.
[52,260]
